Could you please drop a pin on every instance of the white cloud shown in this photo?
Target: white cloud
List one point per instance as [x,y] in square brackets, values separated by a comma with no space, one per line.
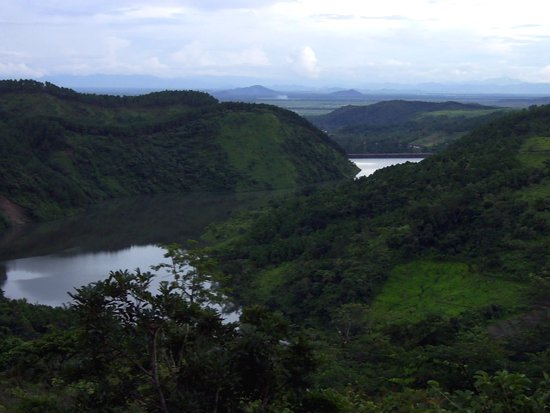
[396,40]
[545,74]
[155,63]
[396,63]
[197,55]
[19,70]
[253,56]
[153,12]
[304,62]
[232,4]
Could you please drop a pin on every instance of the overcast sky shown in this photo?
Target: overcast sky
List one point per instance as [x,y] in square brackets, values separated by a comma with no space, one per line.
[310,42]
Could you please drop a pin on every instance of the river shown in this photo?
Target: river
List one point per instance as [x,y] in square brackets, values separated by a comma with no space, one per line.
[42,263]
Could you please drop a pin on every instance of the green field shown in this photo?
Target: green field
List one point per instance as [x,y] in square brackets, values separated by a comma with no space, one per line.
[460,113]
[540,191]
[311,107]
[535,151]
[419,289]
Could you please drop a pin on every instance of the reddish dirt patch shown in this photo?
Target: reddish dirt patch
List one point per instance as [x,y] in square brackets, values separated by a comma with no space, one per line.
[12,212]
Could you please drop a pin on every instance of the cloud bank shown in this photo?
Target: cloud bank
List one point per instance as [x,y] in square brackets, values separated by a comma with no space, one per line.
[340,43]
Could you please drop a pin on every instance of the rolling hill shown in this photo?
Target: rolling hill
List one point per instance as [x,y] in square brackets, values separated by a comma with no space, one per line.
[403,126]
[61,150]
[350,94]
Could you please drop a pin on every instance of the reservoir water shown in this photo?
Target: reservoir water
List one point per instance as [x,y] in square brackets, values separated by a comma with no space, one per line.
[42,263]
[369,165]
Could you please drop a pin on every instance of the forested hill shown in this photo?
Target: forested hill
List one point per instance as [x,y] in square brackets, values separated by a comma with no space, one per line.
[386,113]
[422,271]
[484,201]
[60,149]
[403,126]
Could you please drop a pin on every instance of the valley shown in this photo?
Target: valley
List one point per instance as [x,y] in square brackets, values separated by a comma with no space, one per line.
[418,287]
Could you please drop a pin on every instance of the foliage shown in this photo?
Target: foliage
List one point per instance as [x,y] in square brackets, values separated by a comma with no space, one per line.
[462,238]
[417,290]
[419,272]
[503,392]
[134,348]
[403,126]
[534,151]
[61,150]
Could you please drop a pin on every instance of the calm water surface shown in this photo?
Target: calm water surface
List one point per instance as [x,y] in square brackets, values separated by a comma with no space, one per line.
[42,263]
[369,165]
[47,279]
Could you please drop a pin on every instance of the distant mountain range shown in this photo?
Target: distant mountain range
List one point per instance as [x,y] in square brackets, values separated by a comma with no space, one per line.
[231,87]
[258,92]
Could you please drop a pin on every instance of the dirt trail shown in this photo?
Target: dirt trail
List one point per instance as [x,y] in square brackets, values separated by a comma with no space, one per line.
[12,212]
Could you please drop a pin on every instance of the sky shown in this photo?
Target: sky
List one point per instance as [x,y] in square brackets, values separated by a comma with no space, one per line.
[306,42]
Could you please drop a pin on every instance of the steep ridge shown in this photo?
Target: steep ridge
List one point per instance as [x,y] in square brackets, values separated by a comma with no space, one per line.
[61,150]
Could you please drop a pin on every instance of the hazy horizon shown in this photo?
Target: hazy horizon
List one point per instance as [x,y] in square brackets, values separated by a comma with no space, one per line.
[314,44]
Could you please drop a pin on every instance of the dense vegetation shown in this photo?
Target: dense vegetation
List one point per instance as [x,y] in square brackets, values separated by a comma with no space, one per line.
[120,347]
[400,126]
[422,288]
[421,272]
[61,150]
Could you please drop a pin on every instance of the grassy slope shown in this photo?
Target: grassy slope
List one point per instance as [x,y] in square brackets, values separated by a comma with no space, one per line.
[61,150]
[535,151]
[419,289]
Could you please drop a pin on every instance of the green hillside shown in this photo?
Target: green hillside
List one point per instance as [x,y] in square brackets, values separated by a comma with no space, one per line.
[403,126]
[61,150]
[422,288]
[422,271]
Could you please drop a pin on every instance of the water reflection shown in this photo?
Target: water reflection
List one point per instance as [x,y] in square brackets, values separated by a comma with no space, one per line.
[118,224]
[43,262]
[47,279]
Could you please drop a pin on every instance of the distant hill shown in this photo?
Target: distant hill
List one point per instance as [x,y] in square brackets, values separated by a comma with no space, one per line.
[403,126]
[258,93]
[247,94]
[61,150]
[387,113]
[350,94]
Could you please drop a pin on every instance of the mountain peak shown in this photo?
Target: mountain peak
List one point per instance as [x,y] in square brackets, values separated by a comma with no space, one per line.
[247,93]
